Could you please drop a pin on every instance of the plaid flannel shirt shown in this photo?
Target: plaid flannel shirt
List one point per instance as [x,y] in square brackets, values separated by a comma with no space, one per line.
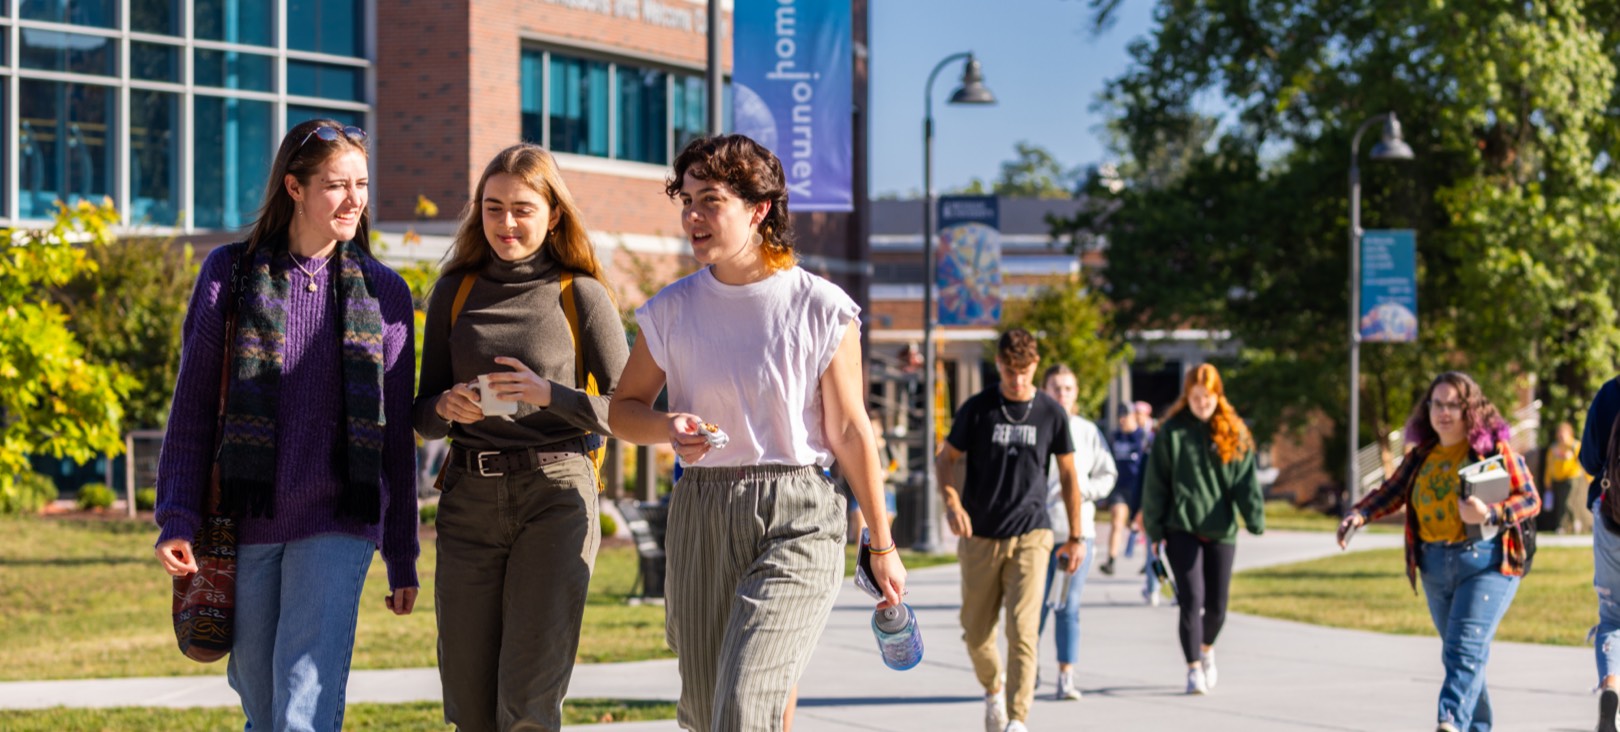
[1523,502]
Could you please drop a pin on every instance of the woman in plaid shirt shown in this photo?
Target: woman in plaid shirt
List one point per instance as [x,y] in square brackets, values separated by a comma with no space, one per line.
[1469,583]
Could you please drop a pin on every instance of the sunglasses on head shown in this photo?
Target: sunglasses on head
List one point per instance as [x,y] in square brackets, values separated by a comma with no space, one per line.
[330,134]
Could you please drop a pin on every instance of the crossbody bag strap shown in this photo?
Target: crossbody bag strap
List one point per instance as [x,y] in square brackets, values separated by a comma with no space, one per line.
[462,292]
[570,304]
[1611,456]
[233,302]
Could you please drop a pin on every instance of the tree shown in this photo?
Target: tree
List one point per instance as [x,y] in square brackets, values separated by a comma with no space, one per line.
[1070,327]
[1035,173]
[1506,107]
[53,399]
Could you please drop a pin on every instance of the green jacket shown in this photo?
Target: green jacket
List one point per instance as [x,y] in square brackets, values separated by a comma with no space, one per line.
[1187,488]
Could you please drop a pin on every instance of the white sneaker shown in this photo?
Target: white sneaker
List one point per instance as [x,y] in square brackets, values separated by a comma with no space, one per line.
[1151,597]
[1065,688]
[995,711]
[1016,726]
[1208,664]
[1195,682]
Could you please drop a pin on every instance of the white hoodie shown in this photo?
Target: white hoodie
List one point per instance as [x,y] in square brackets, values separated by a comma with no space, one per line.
[1094,462]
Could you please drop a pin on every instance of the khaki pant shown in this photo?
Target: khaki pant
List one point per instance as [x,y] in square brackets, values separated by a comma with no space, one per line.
[515,560]
[997,575]
[756,557]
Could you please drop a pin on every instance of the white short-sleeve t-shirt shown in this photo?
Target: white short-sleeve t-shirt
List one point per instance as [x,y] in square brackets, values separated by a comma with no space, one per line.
[749,358]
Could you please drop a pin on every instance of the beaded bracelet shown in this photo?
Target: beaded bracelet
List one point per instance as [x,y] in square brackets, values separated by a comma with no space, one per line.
[876,552]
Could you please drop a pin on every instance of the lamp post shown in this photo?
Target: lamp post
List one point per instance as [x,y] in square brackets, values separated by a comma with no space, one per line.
[1391,147]
[972,91]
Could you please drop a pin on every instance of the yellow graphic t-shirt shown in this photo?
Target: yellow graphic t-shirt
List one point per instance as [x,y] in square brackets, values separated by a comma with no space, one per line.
[1434,497]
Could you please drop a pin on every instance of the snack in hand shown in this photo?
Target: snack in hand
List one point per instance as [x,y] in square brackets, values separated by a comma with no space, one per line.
[717,437]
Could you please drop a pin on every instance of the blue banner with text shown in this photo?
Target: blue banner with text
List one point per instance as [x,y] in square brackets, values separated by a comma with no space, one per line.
[1389,286]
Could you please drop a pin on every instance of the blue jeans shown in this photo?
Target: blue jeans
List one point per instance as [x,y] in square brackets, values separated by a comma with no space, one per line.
[296,606]
[1468,595]
[1067,628]
[1606,580]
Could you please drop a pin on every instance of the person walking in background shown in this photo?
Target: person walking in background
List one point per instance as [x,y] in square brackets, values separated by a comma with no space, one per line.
[1009,433]
[1094,465]
[1198,481]
[520,317]
[1597,456]
[315,458]
[1129,446]
[1562,474]
[771,355]
[1469,582]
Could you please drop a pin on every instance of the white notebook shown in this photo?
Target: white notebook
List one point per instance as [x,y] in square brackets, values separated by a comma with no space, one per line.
[1487,479]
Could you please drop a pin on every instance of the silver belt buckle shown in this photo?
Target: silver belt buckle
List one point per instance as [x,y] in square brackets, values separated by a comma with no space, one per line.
[478,463]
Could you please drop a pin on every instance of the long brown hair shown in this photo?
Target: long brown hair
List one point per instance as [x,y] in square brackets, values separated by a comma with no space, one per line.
[754,173]
[1485,425]
[1230,434]
[300,155]
[568,242]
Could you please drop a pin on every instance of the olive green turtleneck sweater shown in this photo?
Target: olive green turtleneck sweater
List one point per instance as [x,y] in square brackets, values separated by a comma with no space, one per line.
[515,309]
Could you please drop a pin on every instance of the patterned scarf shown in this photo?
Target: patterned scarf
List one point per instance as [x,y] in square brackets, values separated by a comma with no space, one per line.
[247,457]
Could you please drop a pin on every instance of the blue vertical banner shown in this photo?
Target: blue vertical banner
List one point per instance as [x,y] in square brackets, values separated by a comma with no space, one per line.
[967,260]
[1389,286]
[792,86]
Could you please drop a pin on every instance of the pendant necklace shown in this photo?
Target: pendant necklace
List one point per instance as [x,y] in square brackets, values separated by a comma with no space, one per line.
[310,274]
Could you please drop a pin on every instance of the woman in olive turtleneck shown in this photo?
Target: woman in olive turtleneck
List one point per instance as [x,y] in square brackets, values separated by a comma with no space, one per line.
[517,522]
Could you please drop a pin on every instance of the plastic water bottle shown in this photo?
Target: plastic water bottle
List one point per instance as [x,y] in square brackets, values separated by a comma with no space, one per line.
[898,638]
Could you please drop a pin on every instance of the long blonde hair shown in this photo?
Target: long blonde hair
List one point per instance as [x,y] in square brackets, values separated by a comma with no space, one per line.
[568,242]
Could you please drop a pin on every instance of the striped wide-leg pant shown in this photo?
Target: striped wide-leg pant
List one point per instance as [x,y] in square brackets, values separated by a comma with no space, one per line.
[756,557]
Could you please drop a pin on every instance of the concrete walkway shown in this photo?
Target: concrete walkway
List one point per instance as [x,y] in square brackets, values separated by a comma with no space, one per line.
[1275,675]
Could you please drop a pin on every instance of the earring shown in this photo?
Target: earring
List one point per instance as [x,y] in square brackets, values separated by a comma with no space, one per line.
[756,239]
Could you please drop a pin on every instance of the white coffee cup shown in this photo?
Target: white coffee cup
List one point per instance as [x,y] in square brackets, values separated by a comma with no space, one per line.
[492,406]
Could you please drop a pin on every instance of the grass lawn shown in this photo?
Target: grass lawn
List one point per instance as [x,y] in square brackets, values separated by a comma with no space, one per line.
[416,717]
[1286,516]
[1367,590]
[86,599]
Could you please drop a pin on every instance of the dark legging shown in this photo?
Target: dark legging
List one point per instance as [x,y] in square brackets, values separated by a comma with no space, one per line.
[1203,571]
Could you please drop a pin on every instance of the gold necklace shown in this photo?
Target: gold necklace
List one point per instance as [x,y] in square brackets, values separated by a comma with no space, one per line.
[311,275]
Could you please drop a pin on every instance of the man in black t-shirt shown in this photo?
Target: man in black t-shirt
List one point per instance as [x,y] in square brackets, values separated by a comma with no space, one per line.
[1008,434]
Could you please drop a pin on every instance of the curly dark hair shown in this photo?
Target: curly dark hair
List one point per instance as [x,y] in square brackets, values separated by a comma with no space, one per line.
[751,171]
[1485,425]
[1018,348]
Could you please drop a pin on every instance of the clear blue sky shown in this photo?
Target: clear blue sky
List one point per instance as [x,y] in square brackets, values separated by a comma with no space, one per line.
[1040,59]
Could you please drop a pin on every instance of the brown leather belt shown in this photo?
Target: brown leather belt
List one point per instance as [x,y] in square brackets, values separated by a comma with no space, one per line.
[493,463]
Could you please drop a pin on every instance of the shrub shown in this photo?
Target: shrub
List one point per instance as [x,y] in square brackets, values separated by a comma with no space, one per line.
[95,496]
[429,512]
[29,493]
[145,499]
[610,525]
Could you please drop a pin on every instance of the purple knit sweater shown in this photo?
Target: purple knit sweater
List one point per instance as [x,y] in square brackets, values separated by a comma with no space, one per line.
[309,425]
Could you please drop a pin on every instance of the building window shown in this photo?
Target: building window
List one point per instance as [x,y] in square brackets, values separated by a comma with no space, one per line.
[234,70]
[235,21]
[643,115]
[297,115]
[154,157]
[688,110]
[157,16]
[94,13]
[579,106]
[64,144]
[233,145]
[154,62]
[324,26]
[72,52]
[307,79]
[533,65]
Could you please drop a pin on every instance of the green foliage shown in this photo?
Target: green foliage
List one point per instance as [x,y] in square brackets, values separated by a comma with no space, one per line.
[419,276]
[1512,193]
[94,496]
[29,493]
[127,310]
[54,398]
[1070,328]
[1035,173]
[610,525]
[428,513]
[145,499]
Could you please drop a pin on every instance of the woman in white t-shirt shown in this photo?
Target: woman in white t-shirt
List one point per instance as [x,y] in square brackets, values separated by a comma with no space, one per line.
[770,354]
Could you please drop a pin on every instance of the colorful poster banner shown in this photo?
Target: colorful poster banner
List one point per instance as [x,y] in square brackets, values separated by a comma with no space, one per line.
[792,88]
[1389,286]
[967,261]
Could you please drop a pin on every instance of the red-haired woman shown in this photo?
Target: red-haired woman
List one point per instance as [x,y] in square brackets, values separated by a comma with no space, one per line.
[1199,479]
[1469,582]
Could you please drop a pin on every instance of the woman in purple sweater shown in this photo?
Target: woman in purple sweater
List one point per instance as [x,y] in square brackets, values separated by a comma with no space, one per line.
[316,457]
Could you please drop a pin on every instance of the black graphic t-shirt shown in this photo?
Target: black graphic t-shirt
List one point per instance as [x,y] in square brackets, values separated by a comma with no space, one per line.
[1008,445]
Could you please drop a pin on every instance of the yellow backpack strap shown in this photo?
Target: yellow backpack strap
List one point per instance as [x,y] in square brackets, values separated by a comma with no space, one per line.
[462,292]
[582,378]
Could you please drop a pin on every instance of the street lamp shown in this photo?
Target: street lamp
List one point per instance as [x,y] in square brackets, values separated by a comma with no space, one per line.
[972,91]
[1391,147]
